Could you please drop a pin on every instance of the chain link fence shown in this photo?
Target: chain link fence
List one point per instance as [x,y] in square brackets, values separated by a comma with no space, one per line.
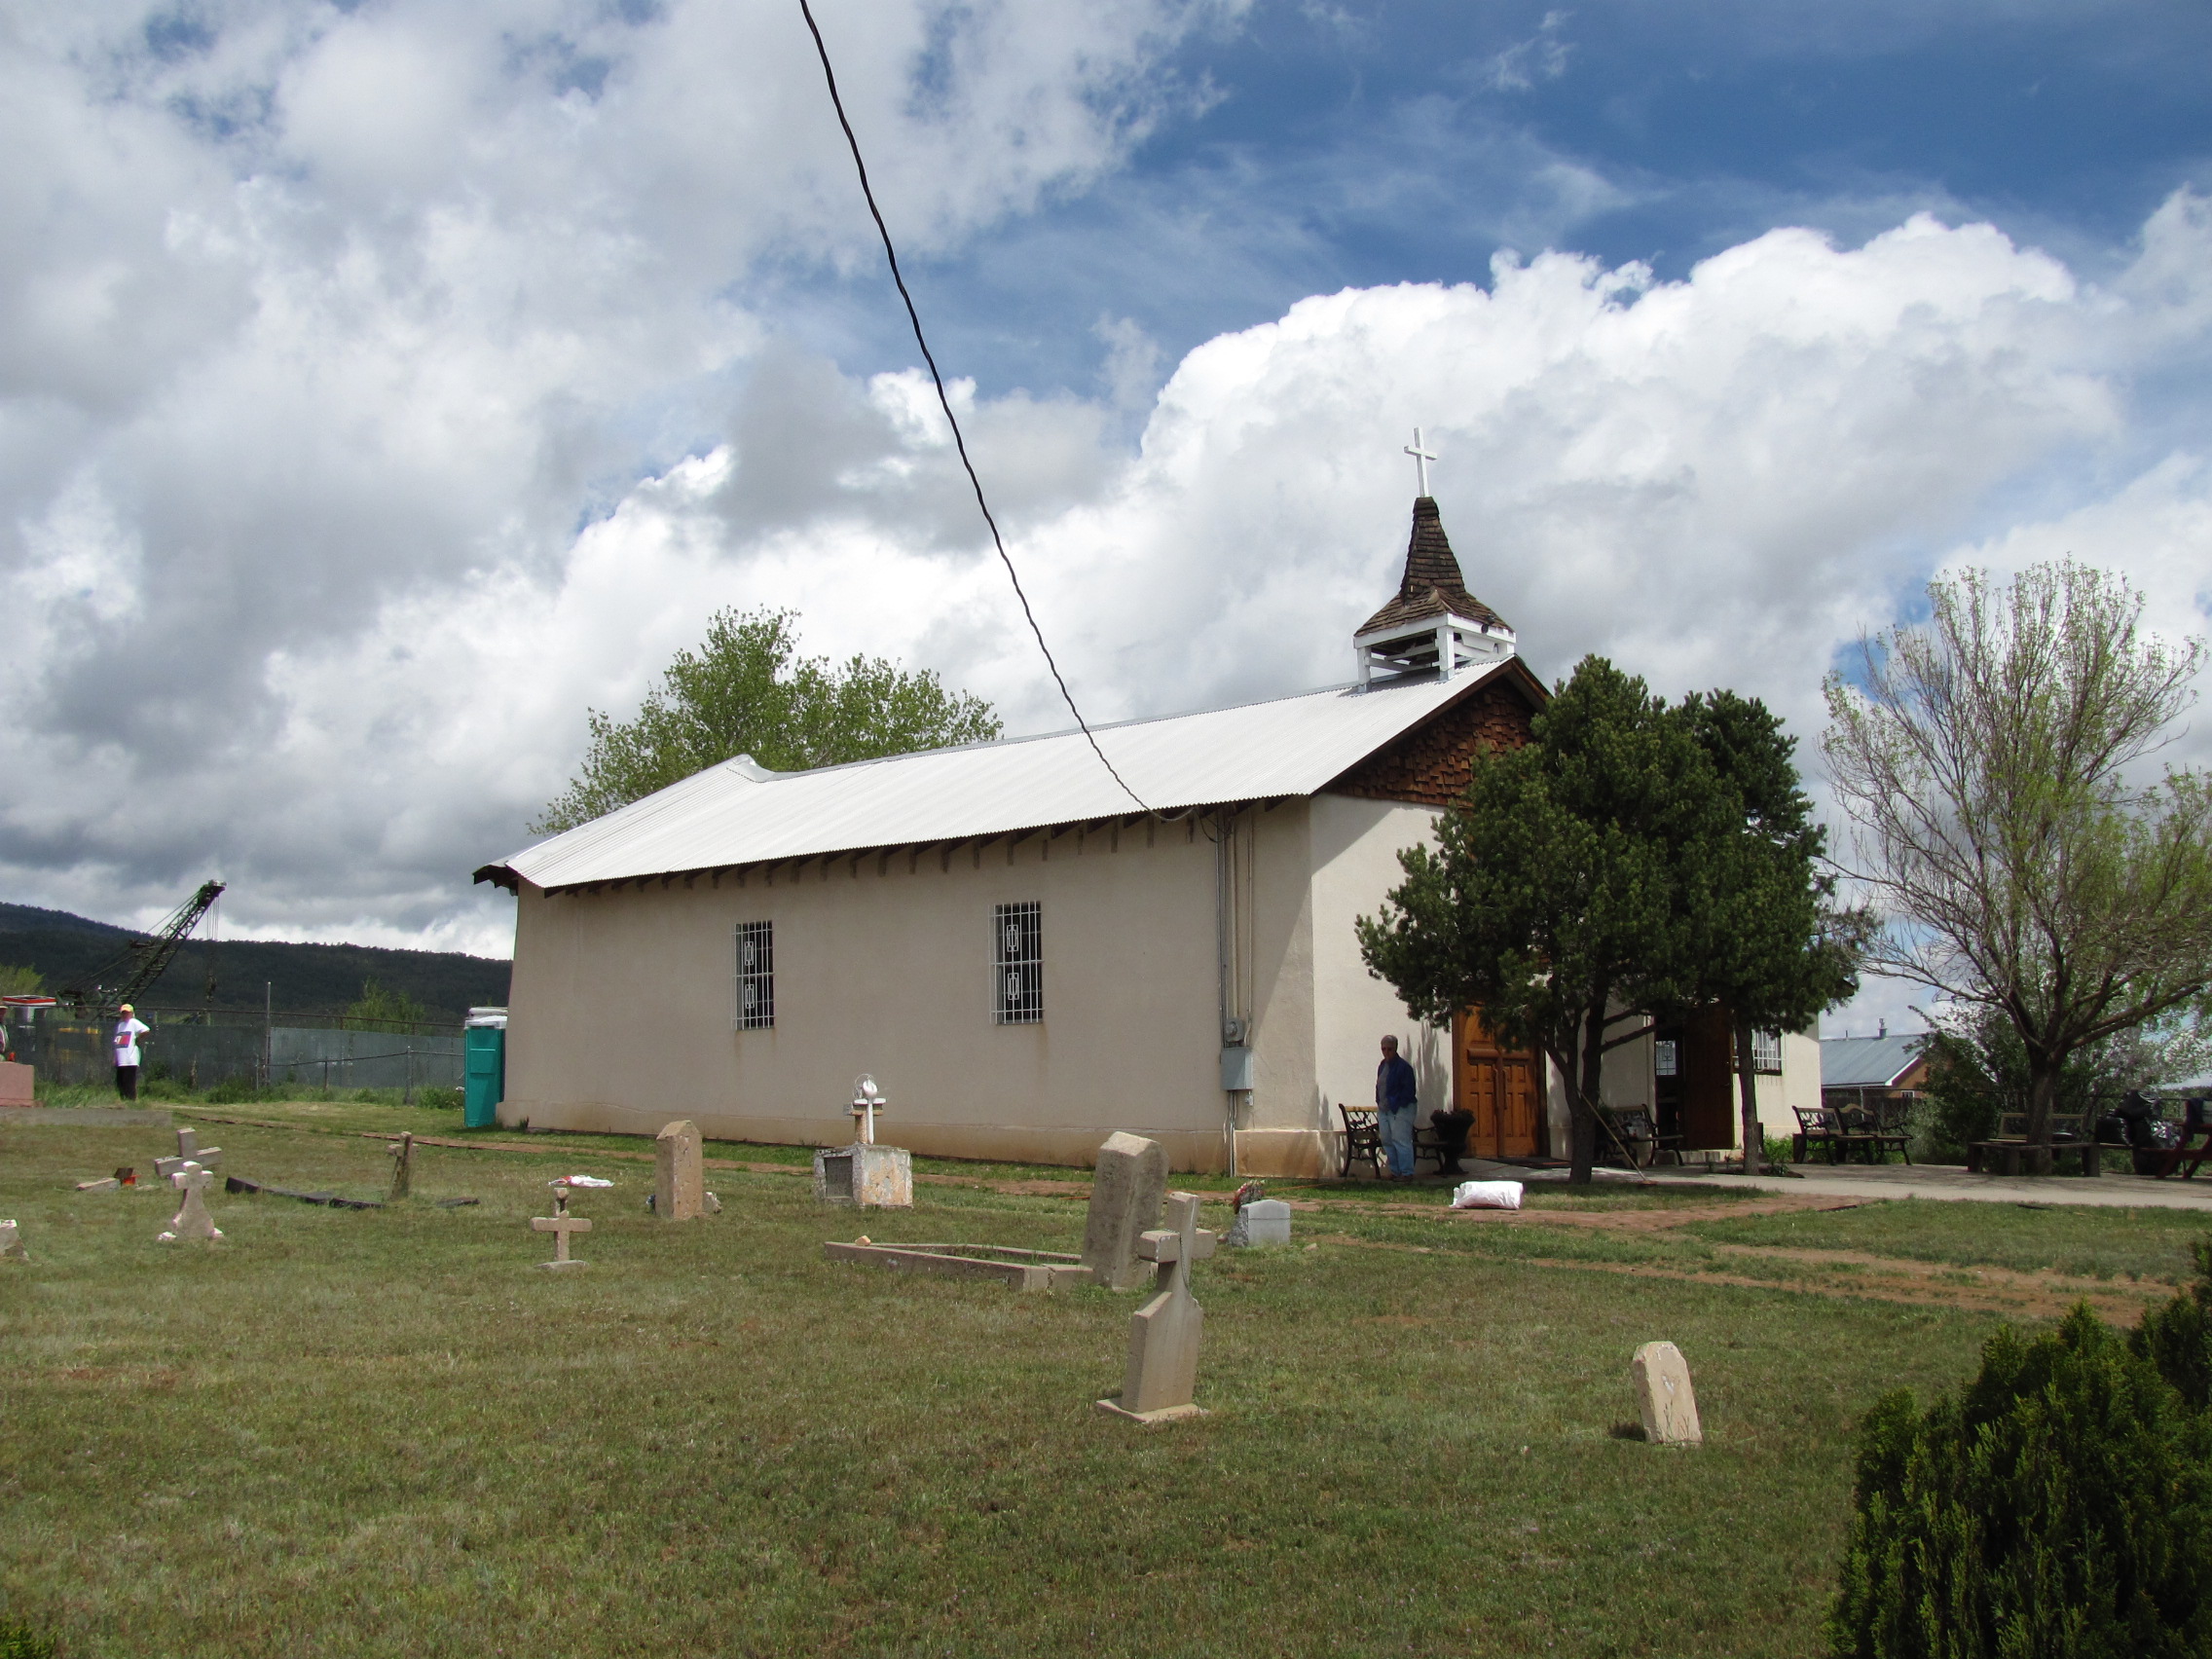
[203,1048]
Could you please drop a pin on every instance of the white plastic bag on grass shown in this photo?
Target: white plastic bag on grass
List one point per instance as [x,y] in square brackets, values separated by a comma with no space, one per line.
[1487,1194]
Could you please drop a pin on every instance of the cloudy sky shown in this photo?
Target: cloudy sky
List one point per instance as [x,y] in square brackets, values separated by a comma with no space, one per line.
[382,384]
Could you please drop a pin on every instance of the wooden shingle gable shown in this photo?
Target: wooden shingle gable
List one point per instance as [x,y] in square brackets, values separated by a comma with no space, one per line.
[1429,764]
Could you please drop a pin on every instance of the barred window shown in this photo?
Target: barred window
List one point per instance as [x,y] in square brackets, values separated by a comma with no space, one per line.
[1766,1052]
[1019,954]
[756,975]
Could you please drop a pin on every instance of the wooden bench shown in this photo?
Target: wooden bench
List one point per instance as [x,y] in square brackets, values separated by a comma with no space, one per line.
[1825,1125]
[1635,1139]
[2008,1153]
[1887,1124]
[1363,1141]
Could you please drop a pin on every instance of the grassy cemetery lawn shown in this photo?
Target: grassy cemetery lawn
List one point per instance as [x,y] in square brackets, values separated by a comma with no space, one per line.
[386,1431]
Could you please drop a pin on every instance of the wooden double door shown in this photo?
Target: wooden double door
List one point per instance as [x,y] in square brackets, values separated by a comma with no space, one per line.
[1503,1088]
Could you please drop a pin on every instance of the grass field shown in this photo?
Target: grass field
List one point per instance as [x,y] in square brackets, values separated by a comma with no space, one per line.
[388,1432]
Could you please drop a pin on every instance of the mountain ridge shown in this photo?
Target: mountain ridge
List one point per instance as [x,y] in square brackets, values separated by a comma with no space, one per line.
[249,974]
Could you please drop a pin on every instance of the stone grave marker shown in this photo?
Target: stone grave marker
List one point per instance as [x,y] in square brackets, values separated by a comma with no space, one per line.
[11,1244]
[188,1144]
[879,1176]
[193,1220]
[402,1169]
[1261,1221]
[1663,1395]
[1126,1196]
[678,1173]
[1165,1333]
[210,1158]
[559,1224]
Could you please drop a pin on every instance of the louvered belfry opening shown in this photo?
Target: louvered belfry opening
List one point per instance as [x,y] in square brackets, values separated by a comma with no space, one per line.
[1433,626]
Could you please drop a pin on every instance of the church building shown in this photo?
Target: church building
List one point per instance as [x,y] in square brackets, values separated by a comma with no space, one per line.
[1026,959]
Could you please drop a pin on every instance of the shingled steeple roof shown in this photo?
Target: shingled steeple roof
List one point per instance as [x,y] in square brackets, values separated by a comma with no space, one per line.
[1432,586]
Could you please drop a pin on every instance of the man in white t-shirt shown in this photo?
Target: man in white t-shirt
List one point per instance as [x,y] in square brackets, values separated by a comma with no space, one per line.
[127,1031]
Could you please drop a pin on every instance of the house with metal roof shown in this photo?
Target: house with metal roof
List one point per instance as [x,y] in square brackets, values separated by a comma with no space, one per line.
[1029,951]
[1858,1071]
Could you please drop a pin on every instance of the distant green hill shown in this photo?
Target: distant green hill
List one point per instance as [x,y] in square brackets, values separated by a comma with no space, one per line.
[302,978]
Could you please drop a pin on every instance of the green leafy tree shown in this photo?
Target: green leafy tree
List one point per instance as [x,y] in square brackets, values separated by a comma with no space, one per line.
[747,691]
[20,981]
[378,1008]
[1769,943]
[1554,899]
[1993,761]
[1977,1071]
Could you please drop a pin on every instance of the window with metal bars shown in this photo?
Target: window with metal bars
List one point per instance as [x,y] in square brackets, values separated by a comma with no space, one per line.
[756,975]
[1766,1052]
[1017,952]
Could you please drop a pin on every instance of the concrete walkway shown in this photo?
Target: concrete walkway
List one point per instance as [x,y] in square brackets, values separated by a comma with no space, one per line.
[2109,1190]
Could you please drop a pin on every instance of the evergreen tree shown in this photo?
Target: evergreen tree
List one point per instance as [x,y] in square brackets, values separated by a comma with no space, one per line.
[2059,1507]
[1554,899]
[1769,943]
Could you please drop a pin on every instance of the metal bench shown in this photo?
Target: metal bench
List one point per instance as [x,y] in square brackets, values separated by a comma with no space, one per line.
[1362,1139]
[1827,1126]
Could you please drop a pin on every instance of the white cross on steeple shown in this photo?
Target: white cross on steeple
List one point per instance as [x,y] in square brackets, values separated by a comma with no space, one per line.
[1421,459]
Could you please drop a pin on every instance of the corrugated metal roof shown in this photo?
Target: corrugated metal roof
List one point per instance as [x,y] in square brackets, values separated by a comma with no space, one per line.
[1291,746]
[1867,1063]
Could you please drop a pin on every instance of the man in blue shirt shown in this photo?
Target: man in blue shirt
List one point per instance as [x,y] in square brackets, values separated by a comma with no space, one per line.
[1395,1097]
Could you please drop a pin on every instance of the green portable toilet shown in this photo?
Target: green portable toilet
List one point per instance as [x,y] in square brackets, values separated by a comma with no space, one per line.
[484,1067]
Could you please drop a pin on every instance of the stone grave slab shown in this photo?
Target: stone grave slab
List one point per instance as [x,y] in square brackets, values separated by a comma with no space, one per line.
[1024,1270]
[678,1173]
[1127,1192]
[1664,1399]
[1261,1221]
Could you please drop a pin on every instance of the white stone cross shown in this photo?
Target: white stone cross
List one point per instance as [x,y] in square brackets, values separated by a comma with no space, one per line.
[1421,459]
[560,1223]
[193,1220]
[866,1103]
[1165,1333]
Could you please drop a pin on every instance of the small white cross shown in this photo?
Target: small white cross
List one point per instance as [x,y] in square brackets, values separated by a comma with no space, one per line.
[559,1224]
[1421,459]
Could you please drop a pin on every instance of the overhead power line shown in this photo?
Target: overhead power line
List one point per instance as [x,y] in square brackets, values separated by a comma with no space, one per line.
[960,443]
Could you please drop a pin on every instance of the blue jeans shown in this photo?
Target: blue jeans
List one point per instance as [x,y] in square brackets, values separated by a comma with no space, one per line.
[1397,1127]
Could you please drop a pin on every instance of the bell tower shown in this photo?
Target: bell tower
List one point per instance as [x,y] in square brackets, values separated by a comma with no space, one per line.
[1434,625]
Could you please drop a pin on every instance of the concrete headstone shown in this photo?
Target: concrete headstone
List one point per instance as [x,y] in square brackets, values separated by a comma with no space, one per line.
[188,1144]
[1126,1197]
[11,1244]
[678,1173]
[878,1176]
[1165,1333]
[1262,1221]
[1664,1397]
[193,1220]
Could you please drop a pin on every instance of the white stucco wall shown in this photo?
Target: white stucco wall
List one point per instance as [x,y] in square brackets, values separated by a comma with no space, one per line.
[622,1010]
[1356,846]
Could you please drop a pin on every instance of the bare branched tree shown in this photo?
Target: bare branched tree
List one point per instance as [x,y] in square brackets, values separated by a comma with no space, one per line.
[1995,761]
